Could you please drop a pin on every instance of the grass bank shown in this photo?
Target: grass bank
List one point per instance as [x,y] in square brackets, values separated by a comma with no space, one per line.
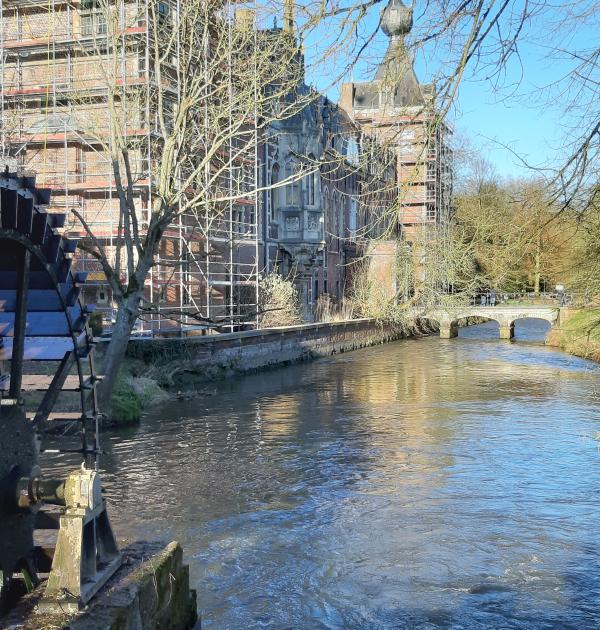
[579,334]
[133,394]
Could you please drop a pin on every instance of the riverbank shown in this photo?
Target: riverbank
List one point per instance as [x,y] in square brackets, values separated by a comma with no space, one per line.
[158,369]
[579,335]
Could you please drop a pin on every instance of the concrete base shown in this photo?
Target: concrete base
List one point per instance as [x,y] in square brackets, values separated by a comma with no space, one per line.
[151,591]
[507,332]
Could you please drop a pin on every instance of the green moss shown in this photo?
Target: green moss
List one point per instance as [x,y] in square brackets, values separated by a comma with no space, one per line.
[125,404]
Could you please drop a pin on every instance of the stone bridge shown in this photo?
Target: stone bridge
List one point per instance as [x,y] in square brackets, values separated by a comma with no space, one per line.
[449,317]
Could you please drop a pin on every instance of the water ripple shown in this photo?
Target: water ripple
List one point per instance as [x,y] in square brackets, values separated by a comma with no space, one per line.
[421,484]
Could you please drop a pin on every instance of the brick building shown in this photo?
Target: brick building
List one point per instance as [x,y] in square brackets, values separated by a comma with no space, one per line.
[400,112]
[59,61]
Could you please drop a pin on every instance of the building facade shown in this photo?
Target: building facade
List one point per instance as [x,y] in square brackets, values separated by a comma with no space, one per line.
[400,112]
[305,197]
[317,224]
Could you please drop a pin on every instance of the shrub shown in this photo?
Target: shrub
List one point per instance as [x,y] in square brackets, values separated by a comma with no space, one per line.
[279,304]
[125,404]
[96,323]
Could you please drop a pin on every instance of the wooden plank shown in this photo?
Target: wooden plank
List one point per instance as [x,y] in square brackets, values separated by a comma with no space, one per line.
[41,299]
[57,219]
[44,519]
[44,348]
[52,247]
[44,324]
[40,228]
[58,416]
[19,325]
[40,279]
[41,382]
[53,391]
[24,214]
[8,208]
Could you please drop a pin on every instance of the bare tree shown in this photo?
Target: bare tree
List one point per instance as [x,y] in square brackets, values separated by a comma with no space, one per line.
[177,140]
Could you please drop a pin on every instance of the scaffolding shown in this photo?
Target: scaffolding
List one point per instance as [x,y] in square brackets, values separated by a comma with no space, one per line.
[54,120]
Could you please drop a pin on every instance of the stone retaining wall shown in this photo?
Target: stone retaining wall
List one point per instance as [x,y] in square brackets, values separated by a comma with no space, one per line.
[156,596]
[215,356]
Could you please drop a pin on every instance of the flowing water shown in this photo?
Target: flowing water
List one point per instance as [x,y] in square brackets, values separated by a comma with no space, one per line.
[420,484]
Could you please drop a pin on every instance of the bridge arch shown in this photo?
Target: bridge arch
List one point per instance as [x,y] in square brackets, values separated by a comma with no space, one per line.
[551,318]
[449,318]
[450,325]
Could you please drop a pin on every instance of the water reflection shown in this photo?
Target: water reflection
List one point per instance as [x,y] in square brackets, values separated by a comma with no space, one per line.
[421,484]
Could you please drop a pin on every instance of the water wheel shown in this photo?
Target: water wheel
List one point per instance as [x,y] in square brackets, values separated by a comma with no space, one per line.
[46,350]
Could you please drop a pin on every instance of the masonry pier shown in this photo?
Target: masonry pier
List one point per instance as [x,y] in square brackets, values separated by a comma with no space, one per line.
[448,330]
[507,331]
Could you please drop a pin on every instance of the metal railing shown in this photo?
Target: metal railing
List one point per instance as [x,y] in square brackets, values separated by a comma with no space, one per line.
[556,298]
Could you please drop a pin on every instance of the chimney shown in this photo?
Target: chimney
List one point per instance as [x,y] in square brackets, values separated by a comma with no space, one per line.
[245,19]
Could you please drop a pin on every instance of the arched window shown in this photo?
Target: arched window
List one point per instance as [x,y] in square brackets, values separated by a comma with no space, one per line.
[311,181]
[292,189]
[274,201]
[353,216]
[333,224]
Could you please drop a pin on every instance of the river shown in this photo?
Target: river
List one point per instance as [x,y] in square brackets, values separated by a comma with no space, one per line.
[420,484]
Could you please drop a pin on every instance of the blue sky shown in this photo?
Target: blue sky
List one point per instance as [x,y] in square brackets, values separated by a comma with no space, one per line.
[515,111]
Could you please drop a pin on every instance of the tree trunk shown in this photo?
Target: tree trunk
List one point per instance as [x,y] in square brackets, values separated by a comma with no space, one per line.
[117,347]
[537,270]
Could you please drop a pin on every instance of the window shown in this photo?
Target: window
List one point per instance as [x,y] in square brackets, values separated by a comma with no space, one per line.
[236,179]
[430,192]
[93,24]
[274,196]
[237,221]
[87,25]
[352,153]
[353,215]
[311,182]
[430,170]
[292,189]
[430,212]
[247,177]
[186,278]
[163,12]
[334,215]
